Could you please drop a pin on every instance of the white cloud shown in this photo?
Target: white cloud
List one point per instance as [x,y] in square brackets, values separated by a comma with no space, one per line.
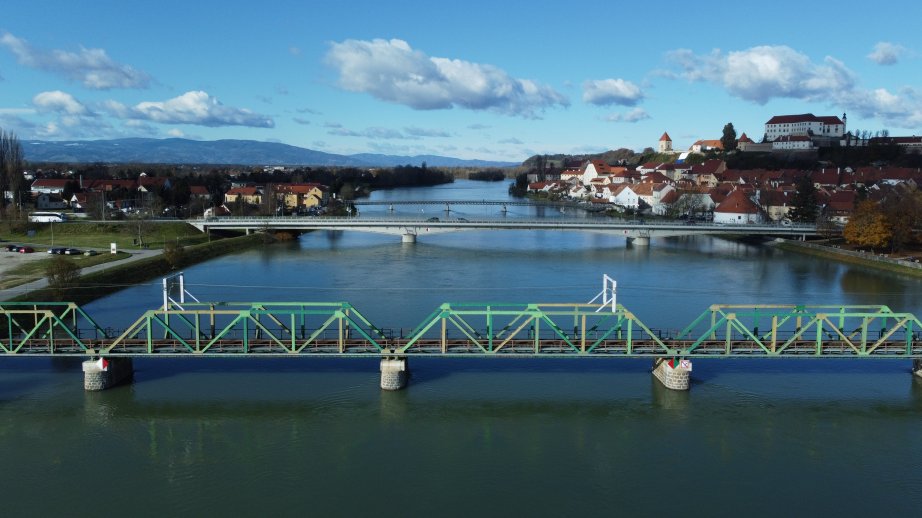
[302,121]
[760,74]
[511,140]
[886,53]
[59,102]
[604,92]
[374,133]
[91,67]
[635,115]
[194,107]
[902,109]
[425,132]
[175,132]
[392,71]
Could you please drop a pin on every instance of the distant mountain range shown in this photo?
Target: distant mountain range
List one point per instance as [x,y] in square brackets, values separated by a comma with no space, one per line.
[229,152]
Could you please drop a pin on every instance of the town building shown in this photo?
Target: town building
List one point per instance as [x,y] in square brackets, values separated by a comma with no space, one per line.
[737,208]
[805,125]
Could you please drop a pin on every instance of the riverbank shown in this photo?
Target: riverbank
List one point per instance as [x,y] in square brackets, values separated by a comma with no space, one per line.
[868,259]
[151,265]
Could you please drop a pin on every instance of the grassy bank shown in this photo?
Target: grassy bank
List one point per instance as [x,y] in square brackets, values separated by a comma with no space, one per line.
[869,260]
[125,234]
[35,270]
[97,285]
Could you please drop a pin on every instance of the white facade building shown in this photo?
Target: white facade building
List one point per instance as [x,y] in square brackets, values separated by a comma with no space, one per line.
[805,125]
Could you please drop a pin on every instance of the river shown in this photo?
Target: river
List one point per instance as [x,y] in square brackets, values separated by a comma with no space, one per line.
[490,437]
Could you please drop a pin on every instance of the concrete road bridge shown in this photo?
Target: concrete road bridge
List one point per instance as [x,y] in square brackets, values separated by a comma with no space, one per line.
[410,228]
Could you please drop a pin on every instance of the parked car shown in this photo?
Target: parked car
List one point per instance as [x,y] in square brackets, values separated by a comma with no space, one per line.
[56,250]
[433,219]
[26,250]
[12,248]
[91,252]
[72,251]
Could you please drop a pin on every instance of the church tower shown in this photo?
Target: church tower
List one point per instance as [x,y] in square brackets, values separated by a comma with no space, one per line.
[665,143]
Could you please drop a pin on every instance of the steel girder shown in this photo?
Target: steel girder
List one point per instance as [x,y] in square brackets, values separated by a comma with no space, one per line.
[250,328]
[800,330]
[47,328]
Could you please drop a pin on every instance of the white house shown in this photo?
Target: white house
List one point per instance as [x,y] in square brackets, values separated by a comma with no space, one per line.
[624,195]
[737,209]
[45,201]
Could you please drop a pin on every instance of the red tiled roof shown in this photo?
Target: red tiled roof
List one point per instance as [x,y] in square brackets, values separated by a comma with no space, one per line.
[665,138]
[50,183]
[737,202]
[298,188]
[804,117]
[243,191]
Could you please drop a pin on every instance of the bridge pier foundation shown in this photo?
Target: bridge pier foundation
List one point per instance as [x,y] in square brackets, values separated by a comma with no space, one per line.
[917,368]
[106,373]
[408,238]
[394,373]
[672,374]
[640,241]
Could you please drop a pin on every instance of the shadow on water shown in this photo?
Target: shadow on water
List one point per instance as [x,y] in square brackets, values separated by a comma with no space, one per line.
[150,369]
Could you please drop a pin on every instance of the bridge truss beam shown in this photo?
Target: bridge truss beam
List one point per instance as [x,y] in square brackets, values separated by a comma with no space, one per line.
[463,329]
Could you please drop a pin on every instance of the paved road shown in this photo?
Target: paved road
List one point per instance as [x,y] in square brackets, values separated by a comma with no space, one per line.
[136,255]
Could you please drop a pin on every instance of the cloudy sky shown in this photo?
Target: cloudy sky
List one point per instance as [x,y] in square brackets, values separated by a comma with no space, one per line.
[473,79]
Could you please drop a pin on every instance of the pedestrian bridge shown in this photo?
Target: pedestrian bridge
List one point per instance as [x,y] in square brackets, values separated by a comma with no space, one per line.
[410,228]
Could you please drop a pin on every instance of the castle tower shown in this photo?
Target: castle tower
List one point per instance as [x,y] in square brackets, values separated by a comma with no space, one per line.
[665,143]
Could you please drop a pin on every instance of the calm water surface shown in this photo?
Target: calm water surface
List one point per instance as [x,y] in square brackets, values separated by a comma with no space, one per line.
[534,437]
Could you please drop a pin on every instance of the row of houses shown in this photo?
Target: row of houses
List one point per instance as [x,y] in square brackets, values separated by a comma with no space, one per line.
[291,196]
[732,195]
[49,193]
[56,193]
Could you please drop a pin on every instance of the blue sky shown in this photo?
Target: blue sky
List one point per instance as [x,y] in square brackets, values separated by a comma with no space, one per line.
[499,80]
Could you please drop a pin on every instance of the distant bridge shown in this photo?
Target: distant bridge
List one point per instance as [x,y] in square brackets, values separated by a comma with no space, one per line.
[411,227]
[493,203]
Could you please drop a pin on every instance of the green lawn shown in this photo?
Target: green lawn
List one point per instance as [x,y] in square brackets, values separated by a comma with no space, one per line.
[99,235]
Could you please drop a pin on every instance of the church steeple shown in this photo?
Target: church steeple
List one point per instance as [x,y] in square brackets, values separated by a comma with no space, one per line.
[665,143]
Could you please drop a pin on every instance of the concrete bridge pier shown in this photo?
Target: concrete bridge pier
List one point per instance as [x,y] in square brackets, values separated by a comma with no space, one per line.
[394,373]
[640,241]
[917,368]
[106,373]
[408,238]
[673,374]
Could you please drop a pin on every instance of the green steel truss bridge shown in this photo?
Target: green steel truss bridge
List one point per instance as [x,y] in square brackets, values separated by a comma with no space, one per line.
[338,329]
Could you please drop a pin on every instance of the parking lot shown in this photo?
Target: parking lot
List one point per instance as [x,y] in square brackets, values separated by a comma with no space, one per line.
[10,260]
